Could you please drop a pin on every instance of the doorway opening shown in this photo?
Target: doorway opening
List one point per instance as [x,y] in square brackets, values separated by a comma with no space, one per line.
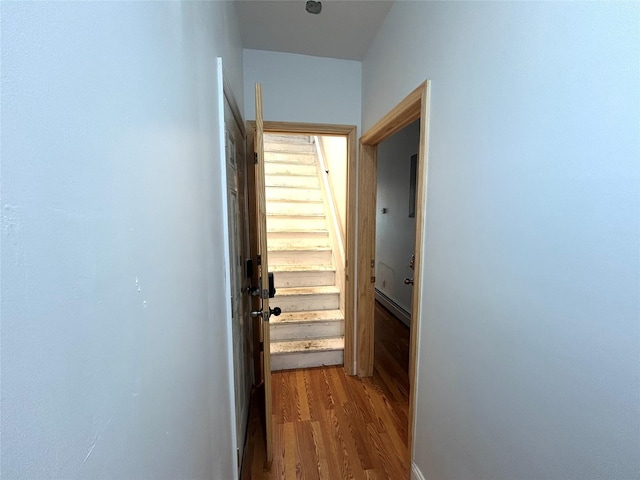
[309,170]
[414,107]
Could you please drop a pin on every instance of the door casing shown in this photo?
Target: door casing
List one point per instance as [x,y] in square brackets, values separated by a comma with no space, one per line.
[413,107]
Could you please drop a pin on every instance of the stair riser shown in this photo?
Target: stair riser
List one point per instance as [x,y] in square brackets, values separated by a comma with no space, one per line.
[295,208]
[301,303]
[311,257]
[307,242]
[289,169]
[279,138]
[289,361]
[291,181]
[295,194]
[293,235]
[289,147]
[304,279]
[283,157]
[307,223]
[306,331]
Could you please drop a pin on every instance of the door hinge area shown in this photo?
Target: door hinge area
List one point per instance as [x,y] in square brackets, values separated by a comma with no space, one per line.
[373,279]
[259,260]
[255,157]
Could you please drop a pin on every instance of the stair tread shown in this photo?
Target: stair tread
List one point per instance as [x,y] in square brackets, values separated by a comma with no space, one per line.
[302,268]
[287,175]
[289,214]
[314,345]
[298,248]
[306,187]
[290,291]
[296,201]
[318,231]
[308,316]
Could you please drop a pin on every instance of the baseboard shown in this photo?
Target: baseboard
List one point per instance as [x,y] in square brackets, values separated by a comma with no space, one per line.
[393,307]
[416,474]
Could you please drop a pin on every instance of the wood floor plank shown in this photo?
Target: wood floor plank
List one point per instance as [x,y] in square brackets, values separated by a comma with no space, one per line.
[338,390]
[358,430]
[321,452]
[277,465]
[302,400]
[316,408]
[307,463]
[334,455]
[288,432]
[394,466]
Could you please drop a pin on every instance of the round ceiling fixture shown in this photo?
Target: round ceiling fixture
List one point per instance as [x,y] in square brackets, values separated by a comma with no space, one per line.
[314,7]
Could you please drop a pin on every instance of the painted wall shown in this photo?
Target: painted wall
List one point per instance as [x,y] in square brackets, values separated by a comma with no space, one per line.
[115,343]
[335,156]
[530,331]
[300,88]
[395,231]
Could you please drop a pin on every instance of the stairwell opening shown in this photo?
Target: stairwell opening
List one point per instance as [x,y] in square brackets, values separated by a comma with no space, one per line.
[306,191]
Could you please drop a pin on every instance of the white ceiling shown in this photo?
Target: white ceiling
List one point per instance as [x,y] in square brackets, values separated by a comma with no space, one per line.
[344,29]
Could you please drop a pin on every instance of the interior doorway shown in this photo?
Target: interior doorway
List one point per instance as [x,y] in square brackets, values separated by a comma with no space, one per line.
[299,136]
[415,106]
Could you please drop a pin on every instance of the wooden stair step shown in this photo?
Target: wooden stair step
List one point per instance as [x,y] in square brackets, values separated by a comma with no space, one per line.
[286,138]
[298,299]
[319,256]
[289,169]
[290,276]
[297,231]
[290,157]
[298,249]
[317,345]
[308,316]
[302,268]
[314,222]
[289,147]
[306,181]
[307,325]
[286,208]
[287,355]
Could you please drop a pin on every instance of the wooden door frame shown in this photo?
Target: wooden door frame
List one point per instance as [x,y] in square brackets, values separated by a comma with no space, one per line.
[319,129]
[414,106]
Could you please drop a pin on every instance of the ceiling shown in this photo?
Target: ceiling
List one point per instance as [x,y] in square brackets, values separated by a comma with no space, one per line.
[344,29]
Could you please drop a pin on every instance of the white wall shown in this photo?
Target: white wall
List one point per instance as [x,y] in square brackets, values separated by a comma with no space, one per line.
[114,344]
[300,88]
[529,361]
[334,150]
[395,231]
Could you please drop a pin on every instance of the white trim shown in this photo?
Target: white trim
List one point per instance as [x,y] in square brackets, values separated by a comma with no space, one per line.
[416,474]
[399,312]
[226,313]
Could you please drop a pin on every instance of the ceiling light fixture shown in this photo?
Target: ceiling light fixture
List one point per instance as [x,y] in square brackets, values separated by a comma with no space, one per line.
[314,7]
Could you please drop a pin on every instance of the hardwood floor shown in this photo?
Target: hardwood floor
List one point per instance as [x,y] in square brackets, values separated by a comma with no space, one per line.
[328,425]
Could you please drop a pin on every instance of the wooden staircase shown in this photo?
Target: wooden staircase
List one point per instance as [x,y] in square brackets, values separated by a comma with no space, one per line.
[310,330]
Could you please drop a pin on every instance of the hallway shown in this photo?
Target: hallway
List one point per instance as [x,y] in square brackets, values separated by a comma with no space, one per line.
[328,425]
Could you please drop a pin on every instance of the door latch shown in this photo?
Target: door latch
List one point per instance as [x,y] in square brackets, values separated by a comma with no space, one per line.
[276,311]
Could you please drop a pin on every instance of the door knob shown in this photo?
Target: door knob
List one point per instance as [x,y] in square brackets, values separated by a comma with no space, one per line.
[272,311]
[408,281]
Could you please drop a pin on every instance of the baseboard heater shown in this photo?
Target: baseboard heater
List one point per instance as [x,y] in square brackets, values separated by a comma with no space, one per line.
[393,307]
